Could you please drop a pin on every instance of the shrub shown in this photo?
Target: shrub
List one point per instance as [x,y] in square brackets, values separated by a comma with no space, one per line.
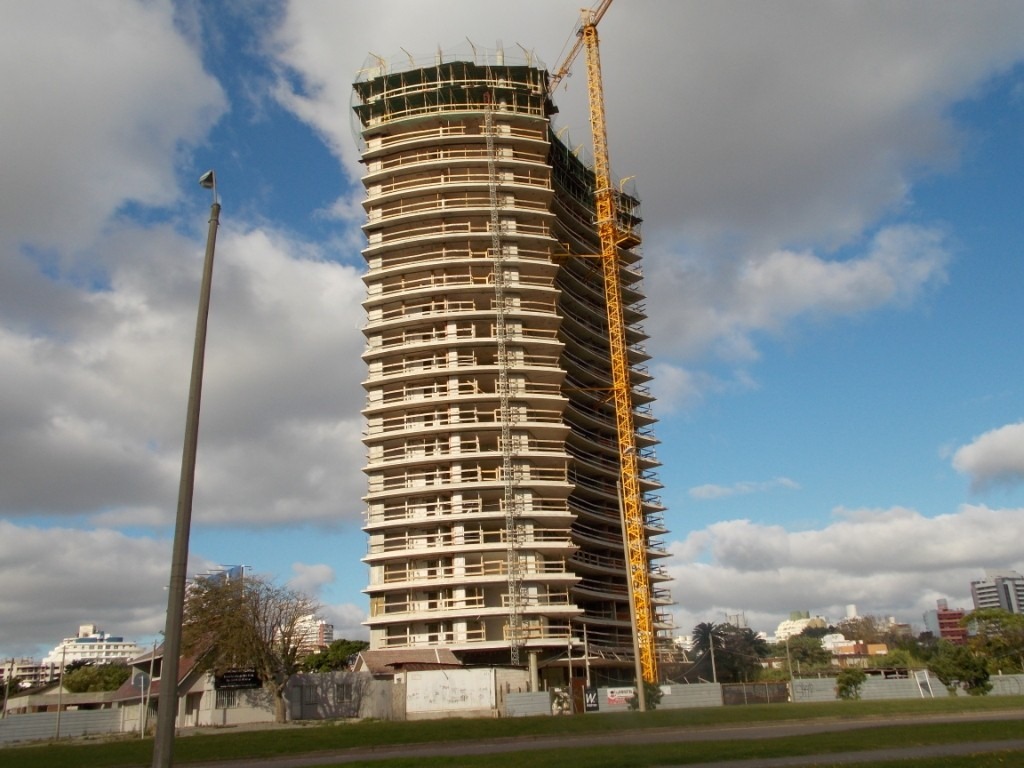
[848,683]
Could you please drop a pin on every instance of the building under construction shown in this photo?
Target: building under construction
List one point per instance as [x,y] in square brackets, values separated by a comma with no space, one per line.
[494,504]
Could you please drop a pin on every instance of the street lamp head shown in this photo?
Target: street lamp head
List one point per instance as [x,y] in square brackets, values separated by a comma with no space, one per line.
[209,181]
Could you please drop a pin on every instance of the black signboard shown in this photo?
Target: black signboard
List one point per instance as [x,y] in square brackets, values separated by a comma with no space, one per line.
[590,700]
[236,679]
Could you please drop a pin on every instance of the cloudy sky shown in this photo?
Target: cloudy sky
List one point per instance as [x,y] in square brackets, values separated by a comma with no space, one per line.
[833,253]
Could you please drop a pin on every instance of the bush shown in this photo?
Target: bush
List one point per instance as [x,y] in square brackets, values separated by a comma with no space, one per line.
[652,697]
[848,683]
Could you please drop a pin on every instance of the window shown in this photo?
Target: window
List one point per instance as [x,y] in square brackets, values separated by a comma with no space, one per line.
[310,694]
[227,699]
[346,699]
[344,693]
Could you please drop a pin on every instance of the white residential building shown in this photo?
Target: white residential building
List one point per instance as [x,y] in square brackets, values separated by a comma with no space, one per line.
[28,672]
[91,644]
[315,633]
[797,622]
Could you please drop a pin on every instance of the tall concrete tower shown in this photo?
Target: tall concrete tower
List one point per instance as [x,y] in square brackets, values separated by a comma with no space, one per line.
[493,511]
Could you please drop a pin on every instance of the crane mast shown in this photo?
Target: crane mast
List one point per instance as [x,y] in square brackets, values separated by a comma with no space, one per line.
[610,235]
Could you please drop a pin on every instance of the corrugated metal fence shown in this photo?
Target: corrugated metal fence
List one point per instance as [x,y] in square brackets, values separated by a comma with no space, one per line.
[41,726]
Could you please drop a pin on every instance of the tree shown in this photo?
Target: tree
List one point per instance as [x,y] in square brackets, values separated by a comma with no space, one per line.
[865,629]
[338,655]
[100,677]
[957,666]
[247,623]
[806,654]
[742,651]
[818,632]
[899,659]
[849,681]
[737,651]
[707,637]
[704,634]
[998,635]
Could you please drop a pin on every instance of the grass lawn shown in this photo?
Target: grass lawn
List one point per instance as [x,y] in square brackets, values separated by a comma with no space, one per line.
[318,737]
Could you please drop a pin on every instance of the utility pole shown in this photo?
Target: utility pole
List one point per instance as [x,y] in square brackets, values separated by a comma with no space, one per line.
[60,691]
[8,678]
[711,646]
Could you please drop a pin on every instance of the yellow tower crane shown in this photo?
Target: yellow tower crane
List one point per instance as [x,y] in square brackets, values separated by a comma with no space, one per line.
[612,236]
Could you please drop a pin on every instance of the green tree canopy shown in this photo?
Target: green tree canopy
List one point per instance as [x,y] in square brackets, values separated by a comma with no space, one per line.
[899,658]
[957,666]
[999,636]
[743,652]
[704,634]
[737,650]
[818,632]
[865,629]
[99,677]
[806,655]
[652,697]
[849,681]
[337,655]
[247,623]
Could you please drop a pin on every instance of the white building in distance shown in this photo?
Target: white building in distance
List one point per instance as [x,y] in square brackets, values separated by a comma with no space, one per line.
[315,634]
[797,622]
[999,589]
[92,645]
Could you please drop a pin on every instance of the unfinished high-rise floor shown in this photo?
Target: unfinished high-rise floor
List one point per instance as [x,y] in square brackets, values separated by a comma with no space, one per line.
[493,509]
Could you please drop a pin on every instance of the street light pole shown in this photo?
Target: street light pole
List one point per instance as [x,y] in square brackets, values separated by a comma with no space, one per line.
[167,705]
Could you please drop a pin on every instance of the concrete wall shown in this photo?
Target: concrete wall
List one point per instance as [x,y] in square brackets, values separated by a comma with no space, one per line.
[526,704]
[450,693]
[916,687]
[339,694]
[616,700]
[1007,685]
[814,689]
[673,696]
[512,680]
[678,696]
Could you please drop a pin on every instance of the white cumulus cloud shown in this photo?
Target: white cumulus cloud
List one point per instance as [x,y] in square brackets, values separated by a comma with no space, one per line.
[994,458]
[886,561]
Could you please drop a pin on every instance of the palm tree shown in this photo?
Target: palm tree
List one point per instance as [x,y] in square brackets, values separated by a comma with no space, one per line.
[706,636]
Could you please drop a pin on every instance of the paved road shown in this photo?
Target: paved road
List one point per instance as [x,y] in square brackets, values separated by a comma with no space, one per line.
[669,736]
